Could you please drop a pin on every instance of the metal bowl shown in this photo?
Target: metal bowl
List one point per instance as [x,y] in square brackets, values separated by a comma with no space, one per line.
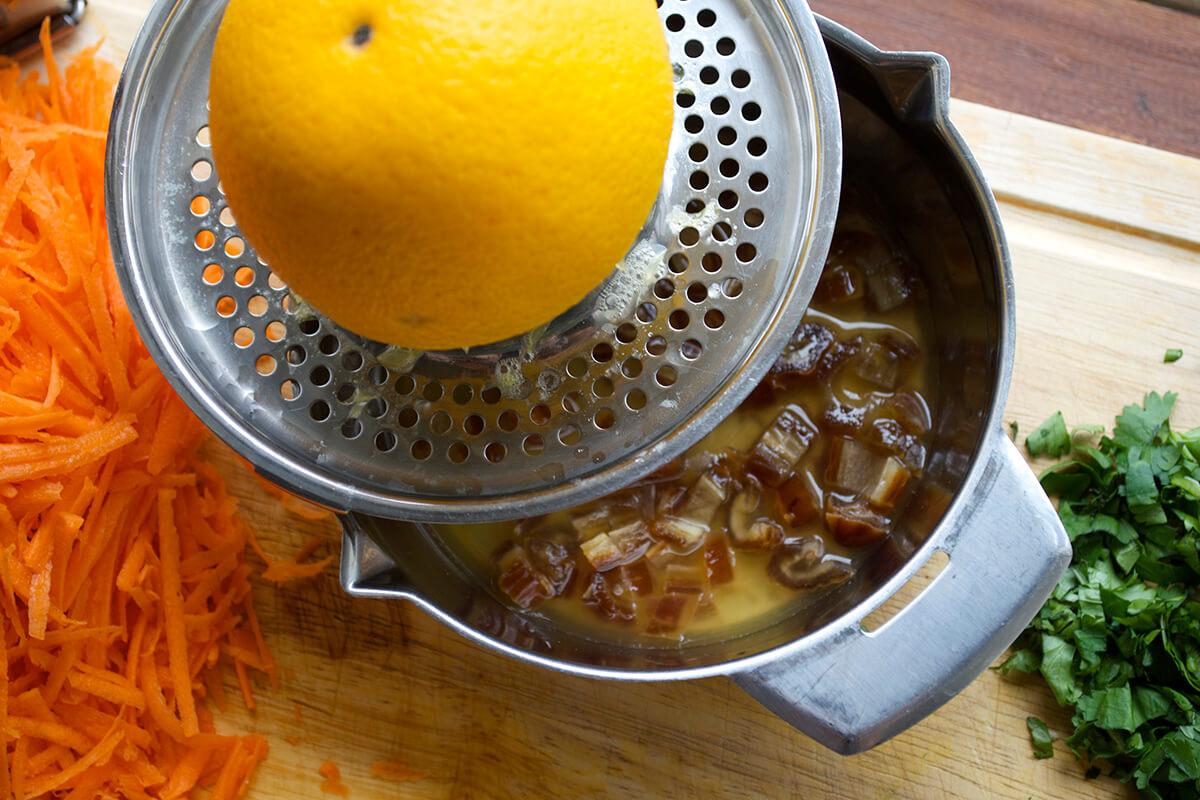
[848,688]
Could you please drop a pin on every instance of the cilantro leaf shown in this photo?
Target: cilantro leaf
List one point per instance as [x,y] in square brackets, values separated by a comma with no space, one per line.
[1172,355]
[1050,438]
[1039,736]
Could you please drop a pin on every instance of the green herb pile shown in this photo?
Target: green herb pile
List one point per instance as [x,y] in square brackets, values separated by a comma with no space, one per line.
[1119,639]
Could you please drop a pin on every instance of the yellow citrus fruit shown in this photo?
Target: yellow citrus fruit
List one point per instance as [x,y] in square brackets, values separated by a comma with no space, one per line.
[441,174]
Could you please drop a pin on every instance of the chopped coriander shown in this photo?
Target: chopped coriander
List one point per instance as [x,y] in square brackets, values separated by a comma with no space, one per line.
[1172,355]
[1039,735]
[1051,438]
[1014,428]
[1119,639]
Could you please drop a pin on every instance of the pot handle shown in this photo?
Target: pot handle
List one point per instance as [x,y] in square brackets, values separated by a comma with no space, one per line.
[855,689]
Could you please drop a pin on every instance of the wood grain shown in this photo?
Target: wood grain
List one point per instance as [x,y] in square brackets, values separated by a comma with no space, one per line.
[1119,67]
[1107,257]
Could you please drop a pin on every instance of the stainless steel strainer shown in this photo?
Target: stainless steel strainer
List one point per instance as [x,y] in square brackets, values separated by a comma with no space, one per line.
[684,328]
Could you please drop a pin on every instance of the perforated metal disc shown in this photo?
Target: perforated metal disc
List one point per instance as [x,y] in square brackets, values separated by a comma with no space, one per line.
[637,372]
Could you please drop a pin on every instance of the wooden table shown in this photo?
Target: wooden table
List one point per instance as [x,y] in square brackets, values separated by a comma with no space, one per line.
[1105,238]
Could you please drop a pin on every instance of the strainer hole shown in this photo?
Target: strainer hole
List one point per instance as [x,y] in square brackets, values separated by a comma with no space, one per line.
[352,361]
[296,355]
[756,146]
[676,263]
[265,365]
[727,136]
[656,345]
[226,306]
[276,330]
[714,319]
[626,332]
[722,231]
[285,303]
[675,23]
[421,450]
[203,137]
[276,282]
[693,124]
[758,182]
[289,390]
[664,289]
[730,168]
[473,425]
[711,262]
[569,434]
[695,206]
[328,344]
[462,393]
[491,395]
[694,48]
[666,376]
[726,46]
[345,393]
[697,292]
[698,181]
[602,353]
[647,313]
[533,445]
[689,237]
[407,417]
[244,276]
[603,387]
[458,453]
[226,217]
[235,246]
[751,112]
[200,205]
[433,391]
[728,199]
[685,99]
[707,18]
[577,367]
[201,171]
[508,421]
[539,414]
[205,240]
[732,287]
[572,402]
[441,423]
[632,368]
[213,274]
[709,75]
[386,441]
[746,252]
[351,429]
[635,400]
[679,319]
[719,106]
[697,152]
[378,375]
[320,375]
[740,78]
[376,407]
[495,452]
[309,326]
[754,218]
[319,411]
[604,419]
[691,349]
[405,384]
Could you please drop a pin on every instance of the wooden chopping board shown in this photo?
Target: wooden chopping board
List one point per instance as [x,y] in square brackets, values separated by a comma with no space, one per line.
[1105,237]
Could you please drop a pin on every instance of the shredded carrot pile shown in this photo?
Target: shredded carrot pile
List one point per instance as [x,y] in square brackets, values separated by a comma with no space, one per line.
[333,780]
[282,571]
[123,578]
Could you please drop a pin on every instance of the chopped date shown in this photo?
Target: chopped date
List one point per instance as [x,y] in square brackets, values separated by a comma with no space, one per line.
[854,525]
[843,418]
[672,612]
[836,355]
[781,446]
[521,581]
[552,554]
[840,283]
[718,561]
[893,479]
[803,353]
[889,284]
[610,597]
[892,437]
[798,502]
[851,466]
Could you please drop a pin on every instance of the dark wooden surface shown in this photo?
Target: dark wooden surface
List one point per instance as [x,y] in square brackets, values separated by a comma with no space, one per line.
[1119,67]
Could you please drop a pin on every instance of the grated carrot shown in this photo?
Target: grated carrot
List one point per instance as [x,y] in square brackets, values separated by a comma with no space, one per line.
[123,575]
[395,770]
[333,780]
